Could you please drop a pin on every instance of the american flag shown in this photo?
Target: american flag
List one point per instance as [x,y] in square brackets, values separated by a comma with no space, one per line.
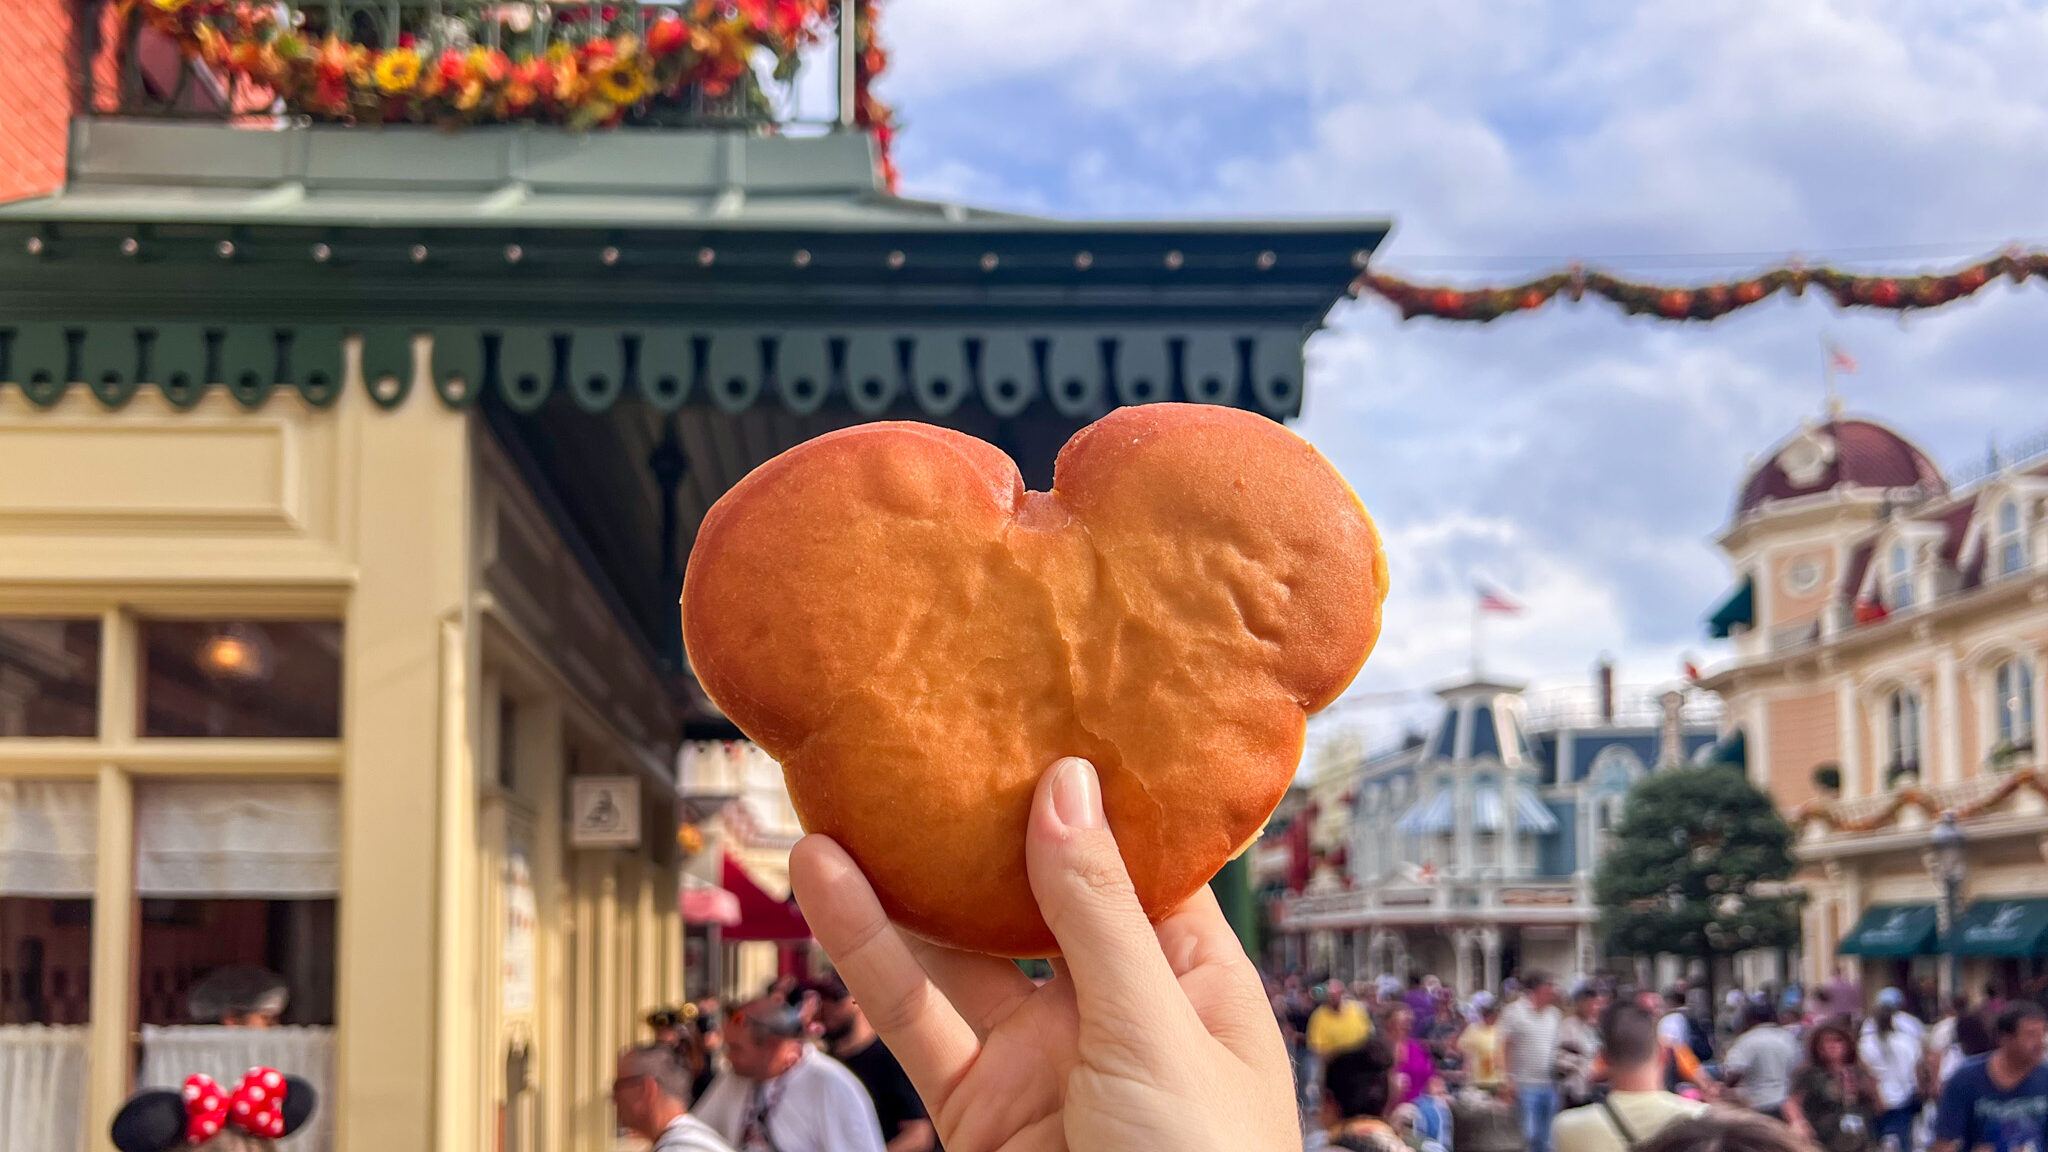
[1492,599]
[1838,359]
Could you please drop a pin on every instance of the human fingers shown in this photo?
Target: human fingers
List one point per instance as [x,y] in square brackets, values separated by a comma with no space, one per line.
[1220,982]
[984,989]
[927,1035]
[1120,977]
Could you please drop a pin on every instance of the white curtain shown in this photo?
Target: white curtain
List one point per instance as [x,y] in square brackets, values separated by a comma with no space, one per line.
[49,831]
[233,838]
[171,1054]
[42,1088]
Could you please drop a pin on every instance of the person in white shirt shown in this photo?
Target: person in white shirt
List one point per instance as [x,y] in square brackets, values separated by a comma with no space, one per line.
[780,1095]
[651,1094]
[1761,1061]
[1891,1045]
[1637,1107]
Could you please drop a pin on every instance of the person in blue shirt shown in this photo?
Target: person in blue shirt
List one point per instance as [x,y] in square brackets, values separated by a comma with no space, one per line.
[1999,1101]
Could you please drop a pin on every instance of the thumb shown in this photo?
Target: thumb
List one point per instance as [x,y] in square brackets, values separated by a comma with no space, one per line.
[1120,974]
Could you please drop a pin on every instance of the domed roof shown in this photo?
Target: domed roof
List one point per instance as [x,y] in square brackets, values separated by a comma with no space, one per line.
[1839,454]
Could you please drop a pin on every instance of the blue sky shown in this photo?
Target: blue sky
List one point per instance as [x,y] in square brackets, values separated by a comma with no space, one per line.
[1579,459]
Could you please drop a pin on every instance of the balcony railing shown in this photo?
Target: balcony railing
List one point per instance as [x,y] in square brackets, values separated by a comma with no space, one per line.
[506,61]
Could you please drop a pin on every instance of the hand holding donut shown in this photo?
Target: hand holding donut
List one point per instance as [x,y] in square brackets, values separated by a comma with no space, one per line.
[1149,1036]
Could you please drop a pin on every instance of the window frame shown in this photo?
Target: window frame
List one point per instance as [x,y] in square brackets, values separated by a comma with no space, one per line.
[2008,539]
[2012,703]
[1904,716]
[1899,593]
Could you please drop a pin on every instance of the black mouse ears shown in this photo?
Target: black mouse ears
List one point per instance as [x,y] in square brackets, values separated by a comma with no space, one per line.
[159,1120]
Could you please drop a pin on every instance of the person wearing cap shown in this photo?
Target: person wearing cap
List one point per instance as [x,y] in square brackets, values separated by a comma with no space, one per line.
[851,1040]
[781,1095]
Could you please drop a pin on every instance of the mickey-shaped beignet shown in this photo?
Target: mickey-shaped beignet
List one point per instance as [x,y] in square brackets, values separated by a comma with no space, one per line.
[915,638]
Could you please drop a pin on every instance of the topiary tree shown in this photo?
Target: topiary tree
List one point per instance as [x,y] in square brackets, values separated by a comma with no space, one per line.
[1694,868]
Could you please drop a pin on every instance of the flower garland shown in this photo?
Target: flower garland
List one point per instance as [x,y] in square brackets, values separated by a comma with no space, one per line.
[1706,301]
[598,69]
[1820,811]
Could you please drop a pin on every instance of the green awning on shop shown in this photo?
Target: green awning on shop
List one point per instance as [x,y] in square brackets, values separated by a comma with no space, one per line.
[1738,609]
[2004,928]
[1893,930]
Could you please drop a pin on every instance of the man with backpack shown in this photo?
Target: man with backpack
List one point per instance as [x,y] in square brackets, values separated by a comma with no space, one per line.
[1636,1107]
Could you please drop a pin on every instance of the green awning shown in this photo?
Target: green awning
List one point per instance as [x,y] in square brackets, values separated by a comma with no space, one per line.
[1738,609]
[1893,930]
[1731,750]
[2004,928]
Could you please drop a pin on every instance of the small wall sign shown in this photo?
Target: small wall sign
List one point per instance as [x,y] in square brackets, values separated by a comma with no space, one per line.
[604,811]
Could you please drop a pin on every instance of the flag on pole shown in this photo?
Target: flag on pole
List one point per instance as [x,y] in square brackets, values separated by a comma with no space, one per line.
[1492,599]
[1839,360]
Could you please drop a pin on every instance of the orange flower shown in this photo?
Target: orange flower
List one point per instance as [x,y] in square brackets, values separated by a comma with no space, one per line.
[489,64]
[528,83]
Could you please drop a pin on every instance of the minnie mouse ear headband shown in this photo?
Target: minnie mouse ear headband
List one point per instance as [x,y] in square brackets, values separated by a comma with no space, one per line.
[266,1104]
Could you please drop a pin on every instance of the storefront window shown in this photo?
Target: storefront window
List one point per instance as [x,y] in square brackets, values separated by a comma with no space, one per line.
[241,678]
[48,849]
[49,677]
[236,882]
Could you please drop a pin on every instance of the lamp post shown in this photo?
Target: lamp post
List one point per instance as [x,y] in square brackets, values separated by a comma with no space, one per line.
[1951,869]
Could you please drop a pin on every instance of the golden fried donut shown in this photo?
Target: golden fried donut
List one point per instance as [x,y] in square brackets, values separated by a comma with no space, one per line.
[916,638]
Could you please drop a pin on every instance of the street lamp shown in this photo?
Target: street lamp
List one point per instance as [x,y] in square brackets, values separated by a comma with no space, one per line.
[1951,869]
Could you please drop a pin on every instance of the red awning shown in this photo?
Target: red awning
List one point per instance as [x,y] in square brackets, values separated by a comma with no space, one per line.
[762,917]
[706,903]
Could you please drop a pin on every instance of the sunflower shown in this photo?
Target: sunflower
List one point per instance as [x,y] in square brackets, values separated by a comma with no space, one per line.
[398,70]
[622,82]
[169,6]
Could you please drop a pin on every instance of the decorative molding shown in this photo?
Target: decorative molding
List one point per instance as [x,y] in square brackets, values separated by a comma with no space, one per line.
[1081,372]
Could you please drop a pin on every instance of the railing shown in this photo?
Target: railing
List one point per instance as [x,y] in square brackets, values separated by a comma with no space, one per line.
[1635,706]
[148,70]
[2015,454]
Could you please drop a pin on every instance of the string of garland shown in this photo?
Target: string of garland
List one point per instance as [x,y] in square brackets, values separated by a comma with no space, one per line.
[602,64]
[1703,301]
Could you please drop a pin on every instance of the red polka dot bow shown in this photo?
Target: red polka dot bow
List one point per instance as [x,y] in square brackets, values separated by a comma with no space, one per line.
[256,1106]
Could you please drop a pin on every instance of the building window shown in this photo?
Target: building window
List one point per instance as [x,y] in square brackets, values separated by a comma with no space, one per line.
[2013,684]
[49,678]
[1898,586]
[2010,543]
[279,679]
[1902,732]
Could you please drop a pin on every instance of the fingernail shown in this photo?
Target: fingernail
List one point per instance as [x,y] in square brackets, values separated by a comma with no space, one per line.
[1076,794]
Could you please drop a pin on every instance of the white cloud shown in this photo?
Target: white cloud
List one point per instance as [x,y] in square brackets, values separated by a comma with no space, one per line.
[1580,457]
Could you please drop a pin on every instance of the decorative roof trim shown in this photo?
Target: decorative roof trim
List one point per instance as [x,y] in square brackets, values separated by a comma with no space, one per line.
[1080,372]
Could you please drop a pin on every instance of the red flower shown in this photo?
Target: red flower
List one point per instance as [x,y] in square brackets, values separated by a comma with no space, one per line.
[1749,292]
[1971,279]
[453,68]
[1884,293]
[667,36]
[1675,303]
[407,40]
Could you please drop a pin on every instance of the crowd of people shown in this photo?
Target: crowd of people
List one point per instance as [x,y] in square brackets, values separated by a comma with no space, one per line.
[795,1069]
[1395,1066]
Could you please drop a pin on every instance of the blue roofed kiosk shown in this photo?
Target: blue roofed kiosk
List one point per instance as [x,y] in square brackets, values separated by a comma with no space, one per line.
[457,399]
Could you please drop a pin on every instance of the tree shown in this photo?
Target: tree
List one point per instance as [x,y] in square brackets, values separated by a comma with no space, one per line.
[1696,867]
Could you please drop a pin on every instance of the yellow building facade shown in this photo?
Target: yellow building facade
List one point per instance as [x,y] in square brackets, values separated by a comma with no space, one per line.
[1891,637]
[484,970]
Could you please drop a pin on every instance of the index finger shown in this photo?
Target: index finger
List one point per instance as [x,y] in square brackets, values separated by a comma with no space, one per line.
[927,1036]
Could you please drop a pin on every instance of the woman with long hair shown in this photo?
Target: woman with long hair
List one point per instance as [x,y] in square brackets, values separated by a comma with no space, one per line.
[1834,1102]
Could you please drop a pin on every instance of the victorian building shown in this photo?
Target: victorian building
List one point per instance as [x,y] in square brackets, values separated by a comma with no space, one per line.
[1889,630]
[1469,853]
